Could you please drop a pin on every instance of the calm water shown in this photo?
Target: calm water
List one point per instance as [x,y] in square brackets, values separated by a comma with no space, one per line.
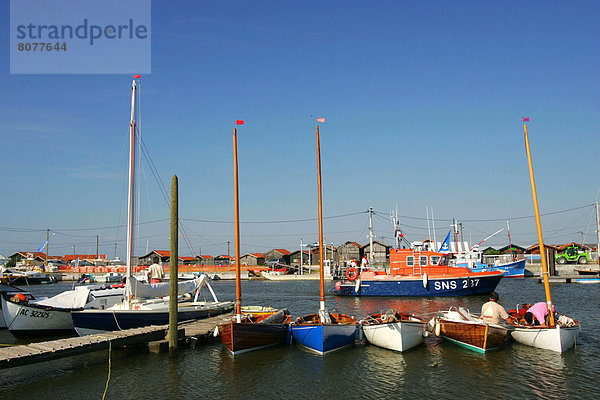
[436,370]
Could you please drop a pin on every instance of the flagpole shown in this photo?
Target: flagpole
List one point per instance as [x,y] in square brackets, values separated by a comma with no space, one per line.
[539,230]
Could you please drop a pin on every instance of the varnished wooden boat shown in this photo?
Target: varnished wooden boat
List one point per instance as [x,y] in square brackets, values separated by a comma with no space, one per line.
[255,331]
[460,327]
[394,330]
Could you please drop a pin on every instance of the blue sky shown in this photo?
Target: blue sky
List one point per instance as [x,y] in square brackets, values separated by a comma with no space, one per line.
[423,104]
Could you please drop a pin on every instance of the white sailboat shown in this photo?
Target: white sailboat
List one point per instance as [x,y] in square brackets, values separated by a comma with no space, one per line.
[557,335]
[143,304]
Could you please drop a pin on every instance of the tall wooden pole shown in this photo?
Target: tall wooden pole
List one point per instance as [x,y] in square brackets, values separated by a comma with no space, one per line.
[238,286]
[173,273]
[539,230]
[321,272]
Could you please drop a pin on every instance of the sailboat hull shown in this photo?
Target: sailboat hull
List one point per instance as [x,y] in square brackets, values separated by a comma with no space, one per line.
[557,339]
[242,337]
[396,336]
[325,338]
[88,322]
[24,320]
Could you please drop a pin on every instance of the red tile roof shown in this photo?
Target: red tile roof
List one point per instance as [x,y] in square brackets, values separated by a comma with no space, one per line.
[283,251]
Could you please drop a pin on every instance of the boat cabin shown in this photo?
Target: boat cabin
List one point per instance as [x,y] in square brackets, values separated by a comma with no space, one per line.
[416,261]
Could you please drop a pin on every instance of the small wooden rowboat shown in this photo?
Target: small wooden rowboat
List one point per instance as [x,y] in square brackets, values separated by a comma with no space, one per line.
[394,330]
[459,326]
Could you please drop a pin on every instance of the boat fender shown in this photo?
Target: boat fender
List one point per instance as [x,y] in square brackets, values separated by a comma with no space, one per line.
[431,325]
[338,285]
[357,286]
[438,328]
[216,331]
[351,274]
[425,280]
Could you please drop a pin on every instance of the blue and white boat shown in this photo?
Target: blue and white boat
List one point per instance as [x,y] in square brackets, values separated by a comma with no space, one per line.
[478,262]
[338,333]
[323,332]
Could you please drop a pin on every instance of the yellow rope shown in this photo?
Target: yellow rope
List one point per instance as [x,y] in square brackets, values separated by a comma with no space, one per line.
[108,379]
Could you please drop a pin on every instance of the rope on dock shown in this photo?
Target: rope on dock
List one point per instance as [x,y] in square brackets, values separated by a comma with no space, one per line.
[109,366]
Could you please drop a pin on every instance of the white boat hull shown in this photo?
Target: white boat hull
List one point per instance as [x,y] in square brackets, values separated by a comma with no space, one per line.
[25,320]
[397,336]
[557,339]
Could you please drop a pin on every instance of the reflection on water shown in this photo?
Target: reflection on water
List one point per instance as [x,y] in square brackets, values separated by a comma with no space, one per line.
[436,369]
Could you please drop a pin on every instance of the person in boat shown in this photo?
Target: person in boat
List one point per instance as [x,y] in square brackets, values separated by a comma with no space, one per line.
[364,264]
[156,273]
[492,312]
[538,314]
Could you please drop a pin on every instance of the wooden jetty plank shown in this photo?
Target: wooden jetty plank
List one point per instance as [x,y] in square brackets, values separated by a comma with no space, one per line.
[51,350]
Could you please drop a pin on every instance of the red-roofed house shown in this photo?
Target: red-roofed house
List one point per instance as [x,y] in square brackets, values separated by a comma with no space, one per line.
[30,257]
[349,251]
[71,257]
[278,253]
[295,257]
[253,259]
[205,260]
[224,260]
[164,257]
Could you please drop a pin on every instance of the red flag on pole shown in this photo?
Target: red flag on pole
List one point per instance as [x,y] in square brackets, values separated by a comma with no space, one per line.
[239,122]
[320,119]
[137,76]
[525,119]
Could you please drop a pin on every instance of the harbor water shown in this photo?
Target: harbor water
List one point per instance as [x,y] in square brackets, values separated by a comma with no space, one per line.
[437,369]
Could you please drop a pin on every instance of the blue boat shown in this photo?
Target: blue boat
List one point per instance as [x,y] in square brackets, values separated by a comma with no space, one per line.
[503,263]
[514,269]
[323,332]
[323,338]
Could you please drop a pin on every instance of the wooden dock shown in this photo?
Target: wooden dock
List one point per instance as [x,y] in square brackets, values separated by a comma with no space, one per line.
[190,334]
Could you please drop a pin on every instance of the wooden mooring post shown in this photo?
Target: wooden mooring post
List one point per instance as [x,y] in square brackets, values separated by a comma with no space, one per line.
[173,273]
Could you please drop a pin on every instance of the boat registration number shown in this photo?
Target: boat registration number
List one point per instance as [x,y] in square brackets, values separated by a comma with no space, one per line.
[453,285]
[34,313]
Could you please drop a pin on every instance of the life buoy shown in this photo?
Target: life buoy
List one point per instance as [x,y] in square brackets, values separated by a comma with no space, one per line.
[351,274]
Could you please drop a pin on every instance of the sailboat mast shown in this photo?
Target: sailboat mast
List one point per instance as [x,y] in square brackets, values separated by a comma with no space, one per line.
[131,180]
[539,230]
[321,272]
[238,288]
